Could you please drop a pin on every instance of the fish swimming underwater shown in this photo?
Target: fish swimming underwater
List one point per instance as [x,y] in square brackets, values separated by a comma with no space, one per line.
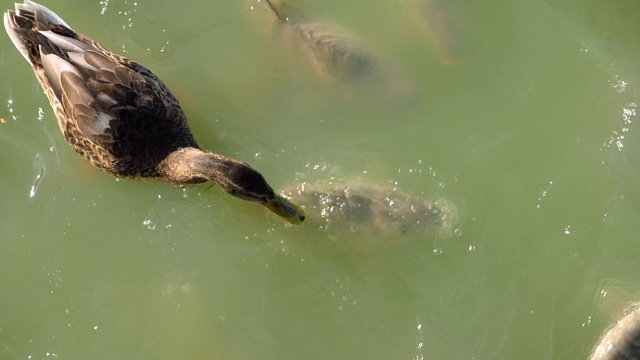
[121,117]
[341,55]
[371,210]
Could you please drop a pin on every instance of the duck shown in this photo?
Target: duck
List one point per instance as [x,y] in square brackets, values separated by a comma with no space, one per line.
[121,117]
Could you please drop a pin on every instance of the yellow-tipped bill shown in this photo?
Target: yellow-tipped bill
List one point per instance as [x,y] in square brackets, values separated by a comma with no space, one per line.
[286,209]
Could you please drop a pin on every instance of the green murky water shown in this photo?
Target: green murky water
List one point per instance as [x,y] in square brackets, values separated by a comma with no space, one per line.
[531,132]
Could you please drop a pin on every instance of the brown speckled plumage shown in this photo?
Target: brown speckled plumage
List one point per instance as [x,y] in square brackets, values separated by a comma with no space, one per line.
[145,121]
[119,116]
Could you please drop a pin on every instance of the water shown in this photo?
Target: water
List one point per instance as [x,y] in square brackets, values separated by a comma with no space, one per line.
[532,135]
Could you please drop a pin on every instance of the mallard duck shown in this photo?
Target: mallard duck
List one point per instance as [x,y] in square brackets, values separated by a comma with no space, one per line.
[123,119]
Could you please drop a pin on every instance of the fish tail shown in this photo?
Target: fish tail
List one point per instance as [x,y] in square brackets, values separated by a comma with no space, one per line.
[286,12]
[276,11]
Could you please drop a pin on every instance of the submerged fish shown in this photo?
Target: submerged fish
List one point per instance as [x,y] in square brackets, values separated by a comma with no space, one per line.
[340,54]
[372,210]
[441,27]
[622,340]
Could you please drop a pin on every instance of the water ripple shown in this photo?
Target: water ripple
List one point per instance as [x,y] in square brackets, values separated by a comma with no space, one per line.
[40,169]
[617,139]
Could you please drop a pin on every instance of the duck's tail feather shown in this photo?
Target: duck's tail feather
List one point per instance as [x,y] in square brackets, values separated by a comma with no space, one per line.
[44,16]
[27,22]
[15,26]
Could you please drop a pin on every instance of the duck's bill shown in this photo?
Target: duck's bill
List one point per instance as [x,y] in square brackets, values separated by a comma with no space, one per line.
[286,209]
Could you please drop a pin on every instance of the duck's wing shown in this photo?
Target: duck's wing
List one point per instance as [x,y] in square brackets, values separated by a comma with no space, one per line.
[103,101]
[82,80]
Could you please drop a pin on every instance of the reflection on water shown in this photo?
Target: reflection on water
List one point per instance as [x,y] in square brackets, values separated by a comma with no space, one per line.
[39,169]
[10,109]
[617,139]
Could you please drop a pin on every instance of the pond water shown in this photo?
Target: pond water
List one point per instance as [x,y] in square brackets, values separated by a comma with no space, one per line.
[522,114]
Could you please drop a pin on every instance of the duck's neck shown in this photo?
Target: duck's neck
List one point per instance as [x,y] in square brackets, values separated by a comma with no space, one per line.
[193,166]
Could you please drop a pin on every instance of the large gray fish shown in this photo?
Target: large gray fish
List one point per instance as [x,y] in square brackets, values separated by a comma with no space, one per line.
[372,210]
[341,54]
[622,340]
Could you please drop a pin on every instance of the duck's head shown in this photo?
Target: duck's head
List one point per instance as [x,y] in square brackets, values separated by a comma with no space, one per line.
[191,165]
[243,182]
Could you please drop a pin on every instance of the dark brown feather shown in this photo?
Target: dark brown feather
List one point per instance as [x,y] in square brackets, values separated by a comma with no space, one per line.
[114,112]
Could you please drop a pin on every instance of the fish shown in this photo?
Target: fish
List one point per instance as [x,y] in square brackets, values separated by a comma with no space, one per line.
[371,210]
[340,54]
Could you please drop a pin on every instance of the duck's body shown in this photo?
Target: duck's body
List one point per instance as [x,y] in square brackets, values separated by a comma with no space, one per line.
[120,116]
[622,340]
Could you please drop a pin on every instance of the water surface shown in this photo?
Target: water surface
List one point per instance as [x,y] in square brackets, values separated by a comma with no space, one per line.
[531,134]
